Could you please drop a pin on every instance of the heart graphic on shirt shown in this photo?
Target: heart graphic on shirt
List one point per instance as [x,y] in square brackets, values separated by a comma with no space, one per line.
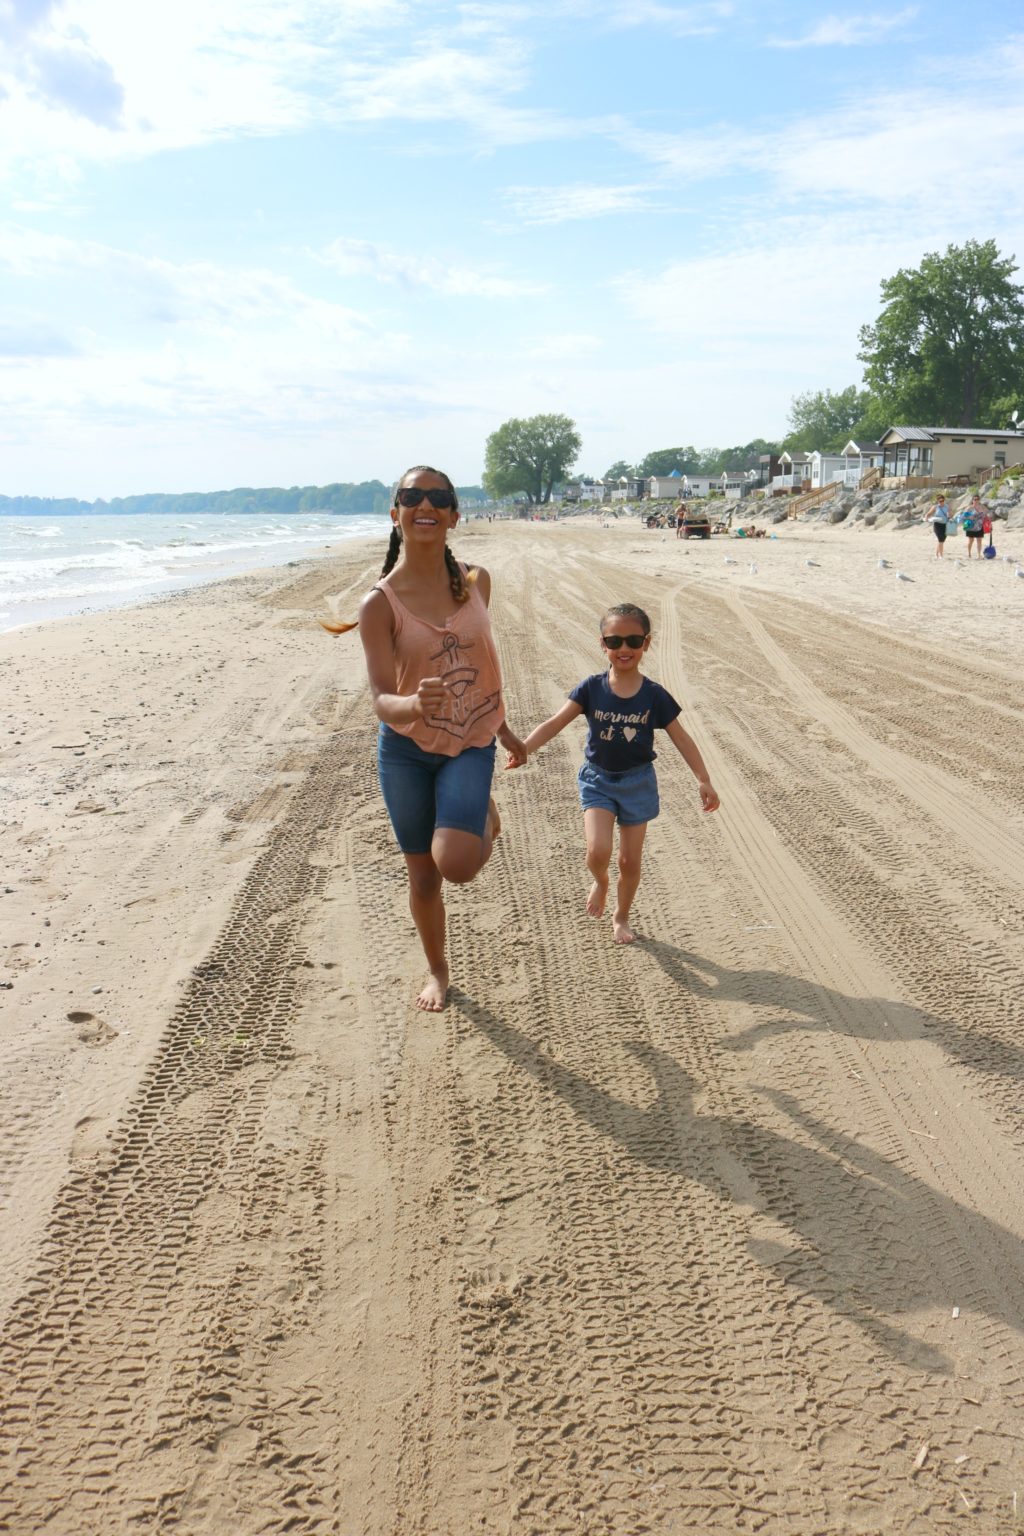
[629,731]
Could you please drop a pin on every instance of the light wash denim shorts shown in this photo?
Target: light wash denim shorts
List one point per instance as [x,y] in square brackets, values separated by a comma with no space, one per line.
[632,797]
[427,790]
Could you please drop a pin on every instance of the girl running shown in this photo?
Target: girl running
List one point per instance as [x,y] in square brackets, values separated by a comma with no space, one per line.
[617,780]
[436,685]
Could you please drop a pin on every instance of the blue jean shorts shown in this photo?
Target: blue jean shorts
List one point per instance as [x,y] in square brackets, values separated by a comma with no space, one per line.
[632,797]
[427,790]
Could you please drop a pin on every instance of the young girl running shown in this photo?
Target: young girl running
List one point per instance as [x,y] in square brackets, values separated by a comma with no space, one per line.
[617,780]
[436,686]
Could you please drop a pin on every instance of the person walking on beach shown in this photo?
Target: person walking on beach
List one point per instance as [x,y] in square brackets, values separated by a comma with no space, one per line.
[974,525]
[436,685]
[939,520]
[617,781]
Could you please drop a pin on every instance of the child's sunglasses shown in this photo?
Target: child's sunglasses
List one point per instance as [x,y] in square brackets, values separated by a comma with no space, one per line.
[614,642]
[412,495]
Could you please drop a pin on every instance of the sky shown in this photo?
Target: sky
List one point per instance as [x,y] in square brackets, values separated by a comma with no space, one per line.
[279,242]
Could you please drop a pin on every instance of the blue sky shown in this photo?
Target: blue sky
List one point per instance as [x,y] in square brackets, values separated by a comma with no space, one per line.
[256,242]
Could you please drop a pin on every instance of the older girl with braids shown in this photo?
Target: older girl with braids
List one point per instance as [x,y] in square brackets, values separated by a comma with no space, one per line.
[436,686]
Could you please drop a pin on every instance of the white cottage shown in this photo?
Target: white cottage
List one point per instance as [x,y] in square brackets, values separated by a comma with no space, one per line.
[825,467]
[860,455]
[794,469]
[661,486]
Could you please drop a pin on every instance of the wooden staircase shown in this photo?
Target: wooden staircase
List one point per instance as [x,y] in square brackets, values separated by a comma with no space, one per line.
[801,504]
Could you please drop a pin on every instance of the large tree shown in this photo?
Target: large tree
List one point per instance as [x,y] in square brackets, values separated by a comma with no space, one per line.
[948,347]
[827,419]
[530,456]
[664,460]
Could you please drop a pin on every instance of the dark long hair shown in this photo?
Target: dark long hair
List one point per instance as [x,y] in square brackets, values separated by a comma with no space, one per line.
[460,591]
[627,611]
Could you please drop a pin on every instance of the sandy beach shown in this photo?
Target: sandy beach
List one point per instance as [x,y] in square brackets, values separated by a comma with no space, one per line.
[720,1233]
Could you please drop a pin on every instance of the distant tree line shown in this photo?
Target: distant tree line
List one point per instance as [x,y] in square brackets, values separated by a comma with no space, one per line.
[273,501]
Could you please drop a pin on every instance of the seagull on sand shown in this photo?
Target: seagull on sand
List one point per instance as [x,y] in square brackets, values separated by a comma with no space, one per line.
[1019,572]
[883,564]
[900,577]
[753,567]
[730,561]
[814,564]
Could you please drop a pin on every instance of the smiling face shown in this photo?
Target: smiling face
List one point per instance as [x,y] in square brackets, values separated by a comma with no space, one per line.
[623,660]
[423,523]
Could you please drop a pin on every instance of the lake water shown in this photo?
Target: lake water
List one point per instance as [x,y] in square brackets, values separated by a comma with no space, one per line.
[51,567]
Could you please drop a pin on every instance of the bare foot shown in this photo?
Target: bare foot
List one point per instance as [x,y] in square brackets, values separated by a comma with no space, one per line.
[622,933]
[598,896]
[435,992]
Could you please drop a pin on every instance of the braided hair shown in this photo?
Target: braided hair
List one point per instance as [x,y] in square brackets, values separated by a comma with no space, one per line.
[457,581]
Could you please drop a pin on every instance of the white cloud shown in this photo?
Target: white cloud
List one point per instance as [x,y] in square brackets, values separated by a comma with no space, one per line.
[911,152]
[570,347]
[679,20]
[92,80]
[848,31]
[556,205]
[362,258]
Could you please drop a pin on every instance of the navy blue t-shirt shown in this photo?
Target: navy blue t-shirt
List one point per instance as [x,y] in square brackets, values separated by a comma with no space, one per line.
[621,734]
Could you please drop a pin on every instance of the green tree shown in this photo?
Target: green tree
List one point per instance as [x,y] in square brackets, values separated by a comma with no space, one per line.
[711,461]
[949,343]
[529,456]
[619,470]
[664,460]
[825,419]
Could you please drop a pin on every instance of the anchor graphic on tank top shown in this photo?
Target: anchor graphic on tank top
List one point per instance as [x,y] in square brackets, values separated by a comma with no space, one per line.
[465,704]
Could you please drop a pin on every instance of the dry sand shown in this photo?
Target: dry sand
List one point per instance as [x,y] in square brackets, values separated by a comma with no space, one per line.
[720,1233]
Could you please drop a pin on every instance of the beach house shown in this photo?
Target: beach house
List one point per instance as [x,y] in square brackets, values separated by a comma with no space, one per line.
[860,455]
[824,468]
[660,486]
[794,469]
[930,454]
[737,483]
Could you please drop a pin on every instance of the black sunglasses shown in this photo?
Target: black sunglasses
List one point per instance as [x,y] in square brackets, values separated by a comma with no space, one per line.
[614,642]
[412,495]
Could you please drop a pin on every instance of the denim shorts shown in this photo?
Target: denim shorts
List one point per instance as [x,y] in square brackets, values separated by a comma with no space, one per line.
[632,797]
[427,790]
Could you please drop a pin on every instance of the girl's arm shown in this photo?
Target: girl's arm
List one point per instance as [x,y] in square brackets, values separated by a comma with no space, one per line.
[541,734]
[375,631]
[690,753]
[517,753]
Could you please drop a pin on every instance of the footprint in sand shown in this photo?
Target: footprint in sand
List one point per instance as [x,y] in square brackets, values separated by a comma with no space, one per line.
[91,1030]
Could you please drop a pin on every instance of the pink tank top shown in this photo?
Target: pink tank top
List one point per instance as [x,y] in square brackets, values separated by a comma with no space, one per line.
[462,651]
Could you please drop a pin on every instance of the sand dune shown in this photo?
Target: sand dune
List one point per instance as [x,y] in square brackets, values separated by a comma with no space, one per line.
[719,1233]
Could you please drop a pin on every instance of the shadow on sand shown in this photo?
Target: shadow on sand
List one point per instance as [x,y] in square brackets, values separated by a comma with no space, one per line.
[868,1240]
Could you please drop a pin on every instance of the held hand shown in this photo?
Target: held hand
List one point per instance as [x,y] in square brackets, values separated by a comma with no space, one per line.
[709,799]
[430,696]
[517,753]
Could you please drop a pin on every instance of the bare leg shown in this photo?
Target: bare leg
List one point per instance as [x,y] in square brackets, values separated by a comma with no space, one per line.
[631,847]
[426,904]
[460,856]
[600,827]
